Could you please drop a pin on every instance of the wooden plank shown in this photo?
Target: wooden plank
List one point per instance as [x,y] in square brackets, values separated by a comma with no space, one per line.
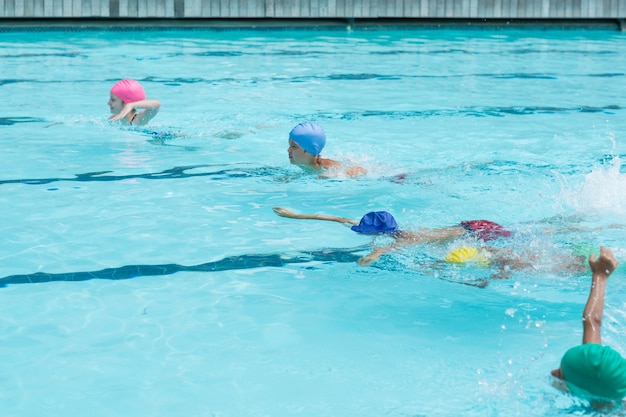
[460,8]
[357,8]
[205,9]
[613,8]
[96,7]
[9,8]
[586,7]
[618,5]
[133,8]
[370,9]
[279,8]
[568,8]
[169,8]
[303,9]
[496,9]
[424,8]
[27,8]
[605,8]
[246,8]
[521,8]
[340,8]
[150,8]
[224,8]
[233,10]
[179,9]
[621,9]
[48,8]
[545,8]
[349,8]
[125,8]
[38,8]
[269,8]
[85,8]
[159,8]
[76,8]
[553,9]
[66,6]
[576,9]
[473,8]
[432,9]
[406,8]
[191,8]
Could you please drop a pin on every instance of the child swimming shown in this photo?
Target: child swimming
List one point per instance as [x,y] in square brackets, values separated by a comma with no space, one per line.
[382,222]
[306,142]
[592,370]
[126,98]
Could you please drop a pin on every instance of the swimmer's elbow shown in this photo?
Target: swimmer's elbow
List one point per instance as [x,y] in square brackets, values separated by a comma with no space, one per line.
[356,171]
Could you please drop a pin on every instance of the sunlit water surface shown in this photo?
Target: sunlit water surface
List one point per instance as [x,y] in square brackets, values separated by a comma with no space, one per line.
[145,273]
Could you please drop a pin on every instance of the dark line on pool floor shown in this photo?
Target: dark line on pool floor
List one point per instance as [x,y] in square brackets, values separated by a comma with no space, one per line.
[229,263]
[172,173]
[495,167]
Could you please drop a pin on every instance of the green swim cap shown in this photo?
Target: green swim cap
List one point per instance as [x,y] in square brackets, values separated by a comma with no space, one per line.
[595,371]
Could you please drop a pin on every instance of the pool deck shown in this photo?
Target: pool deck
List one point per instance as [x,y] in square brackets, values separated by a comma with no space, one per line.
[366,24]
[280,13]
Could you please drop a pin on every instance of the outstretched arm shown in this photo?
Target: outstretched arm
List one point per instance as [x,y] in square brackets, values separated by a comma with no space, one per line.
[283,212]
[601,268]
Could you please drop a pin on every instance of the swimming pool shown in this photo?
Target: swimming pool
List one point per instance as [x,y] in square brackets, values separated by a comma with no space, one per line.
[146,274]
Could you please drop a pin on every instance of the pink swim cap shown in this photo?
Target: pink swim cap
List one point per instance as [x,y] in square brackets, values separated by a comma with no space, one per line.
[128,91]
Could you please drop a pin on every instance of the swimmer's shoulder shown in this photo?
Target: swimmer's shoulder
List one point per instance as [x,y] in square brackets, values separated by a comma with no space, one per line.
[350,171]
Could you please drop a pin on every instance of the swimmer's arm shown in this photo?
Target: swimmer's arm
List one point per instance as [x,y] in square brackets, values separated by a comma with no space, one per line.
[375,255]
[150,109]
[408,238]
[356,171]
[283,212]
[429,235]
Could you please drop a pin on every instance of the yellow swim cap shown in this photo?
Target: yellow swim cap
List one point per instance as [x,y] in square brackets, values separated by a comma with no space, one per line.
[466,254]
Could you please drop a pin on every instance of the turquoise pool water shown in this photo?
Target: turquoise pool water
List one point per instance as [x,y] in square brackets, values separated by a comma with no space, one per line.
[147,274]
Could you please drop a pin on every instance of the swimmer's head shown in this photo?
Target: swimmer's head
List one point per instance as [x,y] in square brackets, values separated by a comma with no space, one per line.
[309,136]
[375,223]
[466,254]
[128,91]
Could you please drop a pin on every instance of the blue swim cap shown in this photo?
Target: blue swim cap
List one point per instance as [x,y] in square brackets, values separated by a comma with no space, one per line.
[309,136]
[376,222]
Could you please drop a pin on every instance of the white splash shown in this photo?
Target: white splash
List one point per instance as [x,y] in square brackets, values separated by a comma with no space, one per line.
[602,192]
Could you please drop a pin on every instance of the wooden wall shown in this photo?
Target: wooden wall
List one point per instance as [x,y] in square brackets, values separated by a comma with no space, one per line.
[181,9]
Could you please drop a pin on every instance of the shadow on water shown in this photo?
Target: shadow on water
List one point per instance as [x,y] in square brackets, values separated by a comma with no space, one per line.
[229,263]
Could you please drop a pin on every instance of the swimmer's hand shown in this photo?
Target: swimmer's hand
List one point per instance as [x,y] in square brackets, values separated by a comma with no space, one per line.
[128,107]
[150,109]
[605,264]
[283,212]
